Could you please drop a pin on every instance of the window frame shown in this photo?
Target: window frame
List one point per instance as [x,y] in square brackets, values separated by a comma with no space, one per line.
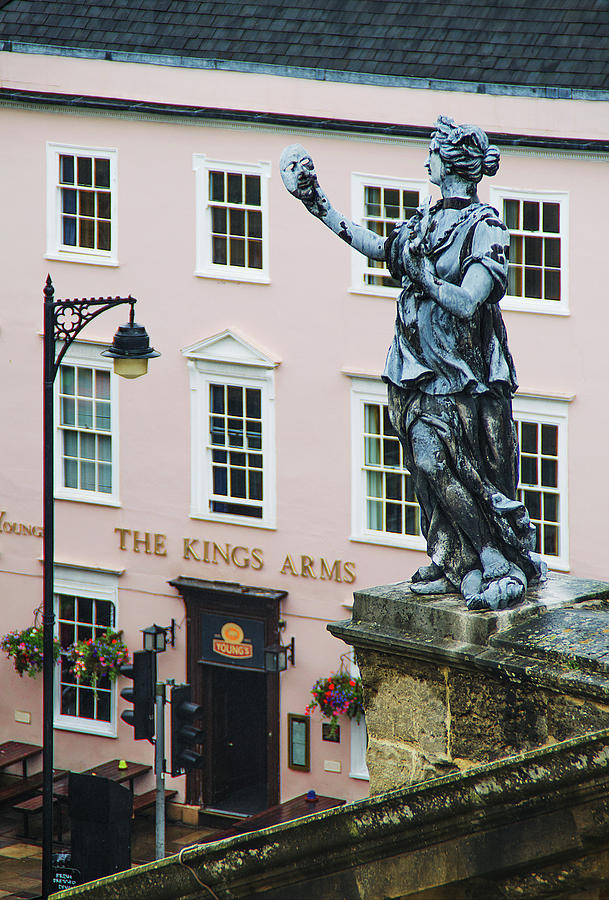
[523,304]
[253,370]
[87,355]
[204,267]
[55,249]
[358,767]
[95,585]
[366,389]
[359,181]
[552,411]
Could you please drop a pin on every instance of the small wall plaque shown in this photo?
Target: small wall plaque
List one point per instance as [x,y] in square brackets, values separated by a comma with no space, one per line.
[326,734]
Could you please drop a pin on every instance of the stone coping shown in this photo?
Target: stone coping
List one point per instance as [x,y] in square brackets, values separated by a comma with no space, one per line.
[557,639]
[519,789]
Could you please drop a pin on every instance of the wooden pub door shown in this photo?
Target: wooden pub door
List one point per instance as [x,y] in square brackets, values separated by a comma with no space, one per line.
[240,772]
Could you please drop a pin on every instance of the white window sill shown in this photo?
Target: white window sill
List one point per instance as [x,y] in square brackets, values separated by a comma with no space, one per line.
[544,307]
[96,499]
[387,540]
[267,524]
[556,565]
[85,726]
[247,276]
[86,258]
[359,776]
[376,293]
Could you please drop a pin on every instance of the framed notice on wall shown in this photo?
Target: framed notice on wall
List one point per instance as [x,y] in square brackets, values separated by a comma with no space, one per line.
[299,742]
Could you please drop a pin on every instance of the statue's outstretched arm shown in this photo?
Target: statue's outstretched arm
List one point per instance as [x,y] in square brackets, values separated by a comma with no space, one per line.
[299,177]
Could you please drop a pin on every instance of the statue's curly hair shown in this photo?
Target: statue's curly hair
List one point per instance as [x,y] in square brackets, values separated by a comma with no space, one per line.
[465,149]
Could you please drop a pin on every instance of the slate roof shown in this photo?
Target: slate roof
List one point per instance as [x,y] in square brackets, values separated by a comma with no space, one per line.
[528,43]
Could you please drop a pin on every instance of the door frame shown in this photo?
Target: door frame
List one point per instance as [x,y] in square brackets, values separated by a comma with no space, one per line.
[234,599]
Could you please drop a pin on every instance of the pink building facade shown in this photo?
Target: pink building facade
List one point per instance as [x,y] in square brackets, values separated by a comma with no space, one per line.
[251,475]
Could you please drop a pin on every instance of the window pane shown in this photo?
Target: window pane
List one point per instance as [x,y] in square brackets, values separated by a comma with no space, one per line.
[254,257]
[532,283]
[393,486]
[216,186]
[68,700]
[102,173]
[551,284]
[254,224]
[551,217]
[70,473]
[528,438]
[85,703]
[372,419]
[87,476]
[103,613]
[391,453]
[102,384]
[394,518]
[86,233]
[532,251]
[255,484]
[219,251]
[66,169]
[374,484]
[104,448]
[550,540]
[235,401]
[66,608]
[85,609]
[220,480]
[103,205]
[68,201]
[550,507]
[104,477]
[549,440]
[530,216]
[85,414]
[532,501]
[103,236]
[234,188]
[511,213]
[218,219]
[237,252]
[252,403]
[552,252]
[85,170]
[68,231]
[86,200]
[70,443]
[528,469]
[237,483]
[252,190]
[67,411]
[549,473]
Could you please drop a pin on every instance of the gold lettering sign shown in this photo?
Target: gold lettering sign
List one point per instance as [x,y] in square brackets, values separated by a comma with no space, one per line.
[237,556]
[8,527]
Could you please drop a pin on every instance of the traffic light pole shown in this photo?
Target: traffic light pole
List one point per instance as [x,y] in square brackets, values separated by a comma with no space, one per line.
[159,768]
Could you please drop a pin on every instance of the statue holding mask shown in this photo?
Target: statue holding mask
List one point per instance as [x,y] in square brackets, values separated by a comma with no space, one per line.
[449,372]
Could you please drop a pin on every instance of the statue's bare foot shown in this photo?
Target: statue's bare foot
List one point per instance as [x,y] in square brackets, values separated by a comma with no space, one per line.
[428,573]
[439,586]
[494,563]
[498,595]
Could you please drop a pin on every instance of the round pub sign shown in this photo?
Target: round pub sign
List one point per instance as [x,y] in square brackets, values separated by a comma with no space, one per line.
[232,642]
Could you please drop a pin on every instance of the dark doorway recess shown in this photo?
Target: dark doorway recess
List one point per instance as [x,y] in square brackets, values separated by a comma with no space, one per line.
[240,773]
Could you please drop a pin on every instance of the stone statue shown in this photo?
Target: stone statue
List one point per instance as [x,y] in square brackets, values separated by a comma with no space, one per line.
[449,372]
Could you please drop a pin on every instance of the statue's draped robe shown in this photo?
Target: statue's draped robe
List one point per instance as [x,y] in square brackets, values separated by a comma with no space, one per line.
[457,376]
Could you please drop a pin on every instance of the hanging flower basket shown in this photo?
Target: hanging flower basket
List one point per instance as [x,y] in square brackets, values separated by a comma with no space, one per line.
[337,695]
[98,657]
[25,649]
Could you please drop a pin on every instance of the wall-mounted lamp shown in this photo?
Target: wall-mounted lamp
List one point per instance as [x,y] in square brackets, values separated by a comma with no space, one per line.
[156,637]
[276,658]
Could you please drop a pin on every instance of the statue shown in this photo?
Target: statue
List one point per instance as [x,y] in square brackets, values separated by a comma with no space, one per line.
[449,372]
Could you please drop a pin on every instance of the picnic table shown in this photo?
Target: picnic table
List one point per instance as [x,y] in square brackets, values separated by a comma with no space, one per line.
[13,752]
[110,770]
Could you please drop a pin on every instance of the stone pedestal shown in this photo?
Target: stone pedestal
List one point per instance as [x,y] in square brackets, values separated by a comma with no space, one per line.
[446,689]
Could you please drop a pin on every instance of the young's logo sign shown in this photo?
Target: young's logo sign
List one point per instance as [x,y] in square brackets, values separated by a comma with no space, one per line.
[231,642]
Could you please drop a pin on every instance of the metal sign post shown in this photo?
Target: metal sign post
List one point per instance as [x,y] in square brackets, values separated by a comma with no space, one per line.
[159,768]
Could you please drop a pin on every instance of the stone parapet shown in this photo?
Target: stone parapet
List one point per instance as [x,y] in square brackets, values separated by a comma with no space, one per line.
[446,689]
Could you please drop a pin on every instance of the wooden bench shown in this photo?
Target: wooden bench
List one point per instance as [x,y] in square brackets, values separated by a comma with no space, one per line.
[145,801]
[33,805]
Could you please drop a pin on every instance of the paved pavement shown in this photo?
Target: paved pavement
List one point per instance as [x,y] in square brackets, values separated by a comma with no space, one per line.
[20,859]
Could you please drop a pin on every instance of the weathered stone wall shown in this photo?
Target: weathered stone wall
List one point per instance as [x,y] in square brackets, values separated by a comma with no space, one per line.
[446,689]
[425,720]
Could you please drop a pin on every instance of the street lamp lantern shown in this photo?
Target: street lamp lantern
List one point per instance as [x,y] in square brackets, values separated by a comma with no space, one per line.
[130,349]
[276,657]
[155,637]
[63,321]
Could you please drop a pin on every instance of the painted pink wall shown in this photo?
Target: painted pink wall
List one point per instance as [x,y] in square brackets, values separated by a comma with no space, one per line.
[306,317]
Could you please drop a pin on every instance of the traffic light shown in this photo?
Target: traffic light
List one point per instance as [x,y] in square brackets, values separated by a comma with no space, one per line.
[184,735]
[143,673]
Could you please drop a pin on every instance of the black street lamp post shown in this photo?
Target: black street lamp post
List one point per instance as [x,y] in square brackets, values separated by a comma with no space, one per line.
[63,320]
